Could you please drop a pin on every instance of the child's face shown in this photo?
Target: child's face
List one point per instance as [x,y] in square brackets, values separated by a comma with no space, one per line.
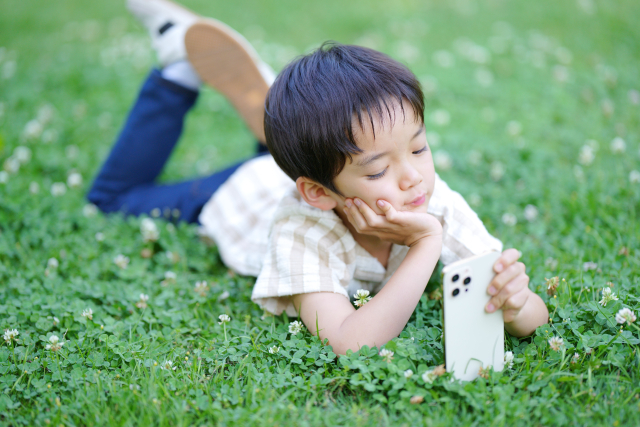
[395,166]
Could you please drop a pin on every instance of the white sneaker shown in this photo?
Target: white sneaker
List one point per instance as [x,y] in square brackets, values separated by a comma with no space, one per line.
[225,60]
[167,23]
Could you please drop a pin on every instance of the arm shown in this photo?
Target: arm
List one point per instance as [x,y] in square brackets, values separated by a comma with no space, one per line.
[382,318]
[522,310]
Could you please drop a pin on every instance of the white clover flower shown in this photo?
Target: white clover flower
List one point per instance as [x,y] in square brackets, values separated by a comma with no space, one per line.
[52,263]
[155,212]
[607,295]
[88,313]
[587,266]
[121,261]
[55,343]
[575,358]
[201,288]
[433,138]
[586,155]
[508,359]
[551,263]
[223,296]
[167,365]
[497,171]
[514,128]
[55,320]
[509,219]
[58,189]
[634,177]
[4,177]
[32,129]
[89,210]
[11,165]
[361,297]
[442,160]
[170,275]
[484,77]
[560,73]
[10,335]
[224,319]
[49,136]
[34,188]
[475,199]
[530,213]
[295,327]
[74,180]
[274,349]
[556,343]
[408,373]
[22,154]
[443,58]
[386,355]
[618,145]
[625,315]
[99,236]
[149,230]
[143,301]
[429,376]
[440,117]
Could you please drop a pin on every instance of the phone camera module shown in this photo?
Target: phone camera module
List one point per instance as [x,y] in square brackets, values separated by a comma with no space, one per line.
[455,278]
[467,280]
[455,292]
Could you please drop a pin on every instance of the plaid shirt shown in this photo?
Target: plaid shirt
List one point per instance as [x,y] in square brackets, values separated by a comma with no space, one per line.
[263,228]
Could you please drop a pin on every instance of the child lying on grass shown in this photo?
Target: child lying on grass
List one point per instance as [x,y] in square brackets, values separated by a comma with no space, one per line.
[347,200]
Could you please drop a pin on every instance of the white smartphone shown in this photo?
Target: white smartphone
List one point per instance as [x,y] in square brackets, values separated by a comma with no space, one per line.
[473,338]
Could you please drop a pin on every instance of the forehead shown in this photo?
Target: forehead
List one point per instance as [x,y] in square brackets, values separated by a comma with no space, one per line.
[394,120]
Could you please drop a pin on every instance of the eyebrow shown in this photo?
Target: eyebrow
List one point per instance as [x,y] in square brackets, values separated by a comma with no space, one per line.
[366,160]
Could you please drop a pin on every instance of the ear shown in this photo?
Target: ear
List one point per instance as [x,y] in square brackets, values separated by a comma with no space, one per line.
[315,194]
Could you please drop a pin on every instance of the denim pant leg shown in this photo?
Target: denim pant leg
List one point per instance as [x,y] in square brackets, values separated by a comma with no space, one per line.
[126,181]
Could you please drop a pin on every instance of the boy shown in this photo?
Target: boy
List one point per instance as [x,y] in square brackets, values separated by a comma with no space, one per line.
[366,211]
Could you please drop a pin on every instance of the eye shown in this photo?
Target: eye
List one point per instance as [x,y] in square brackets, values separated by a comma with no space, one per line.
[378,175]
[420,151]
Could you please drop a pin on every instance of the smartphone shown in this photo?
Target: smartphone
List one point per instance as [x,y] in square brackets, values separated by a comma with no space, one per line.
[473,338]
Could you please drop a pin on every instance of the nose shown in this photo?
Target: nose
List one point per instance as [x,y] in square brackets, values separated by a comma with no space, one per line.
[410,177]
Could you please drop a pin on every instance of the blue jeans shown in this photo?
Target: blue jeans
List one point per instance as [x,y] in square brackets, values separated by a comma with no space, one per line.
[126,182]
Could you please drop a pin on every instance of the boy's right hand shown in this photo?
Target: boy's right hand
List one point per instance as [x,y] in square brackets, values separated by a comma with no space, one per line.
[403,228]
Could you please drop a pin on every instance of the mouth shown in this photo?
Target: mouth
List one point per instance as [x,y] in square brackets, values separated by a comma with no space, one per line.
[418,200]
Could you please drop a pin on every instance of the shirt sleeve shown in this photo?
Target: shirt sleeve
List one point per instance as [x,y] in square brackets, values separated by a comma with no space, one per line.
[305,254]
[464,234]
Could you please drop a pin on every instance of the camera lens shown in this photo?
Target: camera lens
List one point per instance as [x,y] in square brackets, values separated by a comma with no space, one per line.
[455,292]
[467,280]
[455,278]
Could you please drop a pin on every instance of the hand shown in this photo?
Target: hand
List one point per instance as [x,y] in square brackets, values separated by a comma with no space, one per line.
[403,228]
[510,287]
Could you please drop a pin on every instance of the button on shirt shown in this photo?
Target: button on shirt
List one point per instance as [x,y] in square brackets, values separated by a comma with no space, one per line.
[263,228]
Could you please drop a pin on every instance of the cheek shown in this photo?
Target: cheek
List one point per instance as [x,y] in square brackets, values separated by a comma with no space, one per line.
[381,191]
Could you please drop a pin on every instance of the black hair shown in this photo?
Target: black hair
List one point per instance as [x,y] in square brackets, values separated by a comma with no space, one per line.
[311,106]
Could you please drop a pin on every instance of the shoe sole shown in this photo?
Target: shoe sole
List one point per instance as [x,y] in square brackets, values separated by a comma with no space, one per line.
[226,61]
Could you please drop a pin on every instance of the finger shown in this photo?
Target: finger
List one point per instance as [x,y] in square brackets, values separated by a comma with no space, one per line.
[513,287]
[507,258]
[500,280]
[389,211]
[372,218]
[513,305]
[358,219]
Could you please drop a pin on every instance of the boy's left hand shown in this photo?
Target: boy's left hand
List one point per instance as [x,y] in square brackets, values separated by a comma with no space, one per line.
[510,287]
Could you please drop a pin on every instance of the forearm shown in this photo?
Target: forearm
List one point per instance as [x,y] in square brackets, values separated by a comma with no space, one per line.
[384,317]
[533,314]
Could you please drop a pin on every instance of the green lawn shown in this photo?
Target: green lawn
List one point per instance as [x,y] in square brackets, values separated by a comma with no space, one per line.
[533,110]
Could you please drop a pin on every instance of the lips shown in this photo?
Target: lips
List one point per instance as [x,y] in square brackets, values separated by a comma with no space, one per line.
[418,200]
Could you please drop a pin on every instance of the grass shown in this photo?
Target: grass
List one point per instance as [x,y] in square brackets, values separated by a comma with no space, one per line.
[559,75]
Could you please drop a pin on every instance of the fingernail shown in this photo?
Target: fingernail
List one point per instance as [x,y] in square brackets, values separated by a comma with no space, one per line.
[380,203]
[492,290]
[499,267]
[348,203]
[490,308]
[357,202]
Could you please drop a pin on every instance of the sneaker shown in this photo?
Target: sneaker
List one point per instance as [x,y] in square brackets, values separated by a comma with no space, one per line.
[167,22]
[226,61]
